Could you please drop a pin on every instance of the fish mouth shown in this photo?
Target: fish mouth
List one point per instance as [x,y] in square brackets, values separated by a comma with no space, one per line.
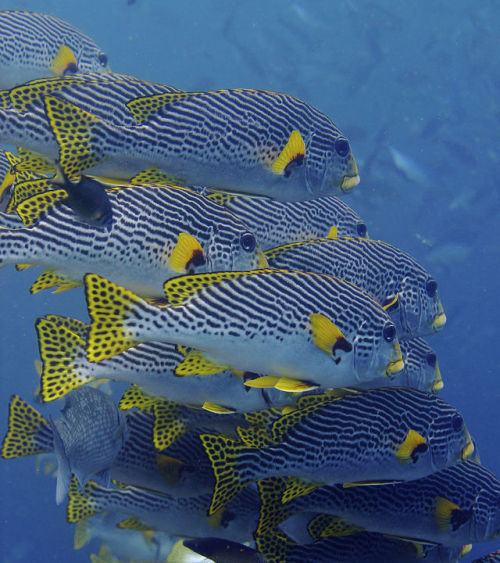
[438,384]
[396,364]
[439,321]
[352,179]
[468,450]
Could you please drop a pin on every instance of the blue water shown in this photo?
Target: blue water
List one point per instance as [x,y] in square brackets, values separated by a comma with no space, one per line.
[421,77]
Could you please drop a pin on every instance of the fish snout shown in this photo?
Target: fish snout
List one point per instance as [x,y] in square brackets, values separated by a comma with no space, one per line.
[469,448]
[437,384]
[396,363]
[351,178]
[439,321]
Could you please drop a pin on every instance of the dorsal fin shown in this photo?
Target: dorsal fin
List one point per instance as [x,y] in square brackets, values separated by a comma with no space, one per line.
[143,108]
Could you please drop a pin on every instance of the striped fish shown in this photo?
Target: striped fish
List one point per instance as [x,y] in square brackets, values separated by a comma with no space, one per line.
[151,365]
[361,547]
[176,516]
[455,506]
[24,123]
[491,558]
[293,326]
[276,223]
[395,279]
[390,434]
[250,141]
[155,234]
[34,45]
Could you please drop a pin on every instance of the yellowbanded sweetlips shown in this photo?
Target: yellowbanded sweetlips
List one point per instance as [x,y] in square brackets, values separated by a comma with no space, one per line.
[155,234]
[147,510]
[276,223]
[34,45]
[151,365]
[223,551]
[304,330]
[251,141]
[390,434]
[393,277]
[456,506]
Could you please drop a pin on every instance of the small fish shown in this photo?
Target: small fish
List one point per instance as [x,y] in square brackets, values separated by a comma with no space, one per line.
[400,435]
[290,325]
[276,223]
[456,506]
[408,167]
[250,141]
[491,558]
[155,234]
[224,551]
[34,45]
[394,278]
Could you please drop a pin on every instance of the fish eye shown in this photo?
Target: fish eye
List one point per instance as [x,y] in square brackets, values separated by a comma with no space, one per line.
[362,230]
[431,359]
[389,332]
[248,242]
[341,147]
[431,287]
[457,422]
[103,59]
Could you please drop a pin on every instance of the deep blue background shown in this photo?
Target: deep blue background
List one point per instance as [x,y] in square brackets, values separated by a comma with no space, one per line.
[422,77]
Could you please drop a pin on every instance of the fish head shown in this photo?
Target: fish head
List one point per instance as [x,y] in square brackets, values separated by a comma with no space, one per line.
[421,311]
[485,521]
[421,365]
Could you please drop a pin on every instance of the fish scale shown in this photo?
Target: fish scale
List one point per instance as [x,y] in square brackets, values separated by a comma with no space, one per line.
[380,269]
[455,506]
[139,244]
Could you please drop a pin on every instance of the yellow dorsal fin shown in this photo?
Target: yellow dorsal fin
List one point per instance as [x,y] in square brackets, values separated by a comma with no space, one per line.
[135,397]
[293,153]
[26,189]
[327,336]
[220,198]
[30,209]
[168,425]
[215,519]
[326,525]
[170,468]
[392,304]
[143,108]
[413,443]
[33,164]
[188,251]
[326,397]
[255,437]
[133,523]
[153,176]
[332,233]
[64,62]
[297,487]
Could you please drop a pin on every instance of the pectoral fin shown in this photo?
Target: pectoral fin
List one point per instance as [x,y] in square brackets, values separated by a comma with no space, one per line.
[292,155]
[64,62]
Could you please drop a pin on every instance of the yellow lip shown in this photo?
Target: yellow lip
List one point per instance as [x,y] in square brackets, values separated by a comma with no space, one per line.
[469,448]
[438,381]
[396,364]
[349,182]
[439,321]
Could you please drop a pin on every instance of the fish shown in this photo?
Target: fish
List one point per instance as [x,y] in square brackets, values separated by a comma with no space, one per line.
[408,167]
[151,365]
[224,551]
[493,557]
[250,141]
[176,516]
[361,547]
[155,234]
[291,326]
[456,506]
[34,45]
[394,278]
[377,436]
[276,223]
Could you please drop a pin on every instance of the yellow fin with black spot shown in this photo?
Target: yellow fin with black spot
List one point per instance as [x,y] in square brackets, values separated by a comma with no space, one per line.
[50,278]
[29,210]
[143,108]
[63,360]
[64,62]
[82,534]
[188,251]
[196,363]
[223,453]
[78,134]
[215,518]
[297,487]
[292,154]
[217,409]
[327,336]
[109,306]
[82,503]
[170,468]
[413,443]
[168,425]
[449,516]
[133,523]
[135,398]
[327,526]
[28,432]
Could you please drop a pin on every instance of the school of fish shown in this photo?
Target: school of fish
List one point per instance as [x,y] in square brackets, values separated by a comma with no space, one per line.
[282,403]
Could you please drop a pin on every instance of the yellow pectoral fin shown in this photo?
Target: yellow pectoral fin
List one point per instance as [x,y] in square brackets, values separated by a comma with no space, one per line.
[187,252]
[294,385]
[443,513]
[64,62]
[264,382]
[413,444]
[170,468]
[217,409]
[292,154]
[195,363]
[327,336]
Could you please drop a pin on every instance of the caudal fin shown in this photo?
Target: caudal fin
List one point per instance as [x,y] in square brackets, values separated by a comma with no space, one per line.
[85,503]
[273,511]
[28,432]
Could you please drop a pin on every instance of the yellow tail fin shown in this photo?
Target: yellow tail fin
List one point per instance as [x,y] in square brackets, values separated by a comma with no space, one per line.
[82,504]
[272,511]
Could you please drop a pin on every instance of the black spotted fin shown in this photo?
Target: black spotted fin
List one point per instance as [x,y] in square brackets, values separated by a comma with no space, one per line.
[143,108]
[413,445]
[274,545]
[135,398]
[27,189]
[153,176]
[297,487]
[327,526]
[196,363]
[50,278]
[168,425]
[292,155]
[83,503]
[64,62]
[272,510]
[31,208]
[133,523]
[328,337]
[32,165]
[187,253]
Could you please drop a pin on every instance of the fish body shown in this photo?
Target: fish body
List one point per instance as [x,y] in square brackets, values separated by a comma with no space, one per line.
[390,434]
[382,270]
[456,506]
[298,326]
[250,141]
[224,551]
[276,223]
[180,517]
[491,558]
[155,234]
[34,45]
[87,437]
